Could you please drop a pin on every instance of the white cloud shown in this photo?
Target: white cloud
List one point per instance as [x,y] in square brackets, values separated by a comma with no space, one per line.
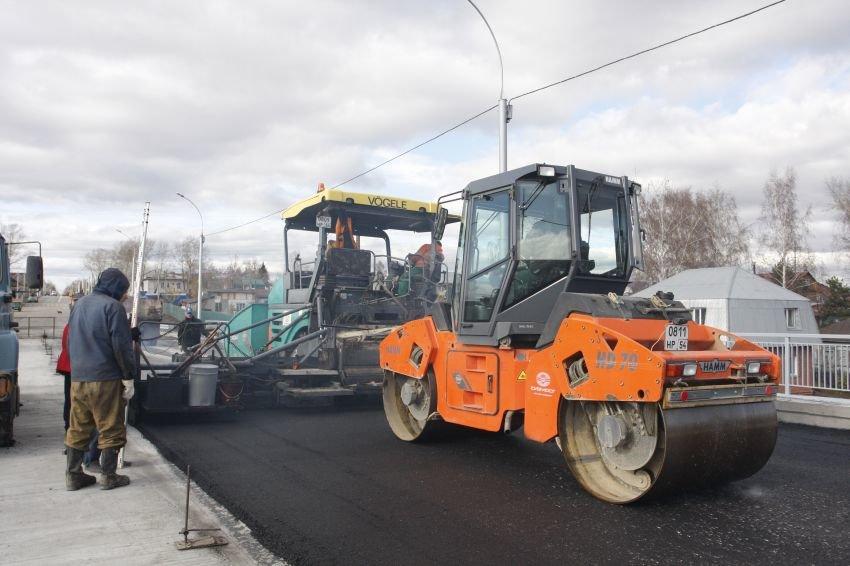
[245,107]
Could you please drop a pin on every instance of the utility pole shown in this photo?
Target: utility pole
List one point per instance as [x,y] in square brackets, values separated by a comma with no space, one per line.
[505,108]
[134,313]
[200,256]
[139,268]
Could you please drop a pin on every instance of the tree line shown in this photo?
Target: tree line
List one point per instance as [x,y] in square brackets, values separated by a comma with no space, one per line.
[687,229]
[178,258]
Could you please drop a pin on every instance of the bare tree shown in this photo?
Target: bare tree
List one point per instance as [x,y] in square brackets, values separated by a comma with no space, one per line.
[75,286]
[784,229]
[185,253]
[123,256]
[158,257]
[96,261]
[839,189]
[14,232]
[686,229]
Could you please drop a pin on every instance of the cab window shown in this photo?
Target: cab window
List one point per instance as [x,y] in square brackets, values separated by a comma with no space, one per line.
[543,248]
[603,229]
[489,244]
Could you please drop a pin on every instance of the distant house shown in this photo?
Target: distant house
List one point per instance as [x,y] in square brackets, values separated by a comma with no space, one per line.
[163,283]
[837,327]
[733,299]
[804,283]
[231,301]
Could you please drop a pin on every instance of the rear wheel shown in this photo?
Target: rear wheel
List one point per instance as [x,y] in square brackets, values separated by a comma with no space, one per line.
[410,404]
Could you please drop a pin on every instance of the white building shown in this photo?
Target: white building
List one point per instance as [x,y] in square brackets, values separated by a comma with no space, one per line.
[163,283]
[736,300]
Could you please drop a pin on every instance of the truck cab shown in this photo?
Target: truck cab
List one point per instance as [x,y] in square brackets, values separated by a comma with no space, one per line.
[9,390]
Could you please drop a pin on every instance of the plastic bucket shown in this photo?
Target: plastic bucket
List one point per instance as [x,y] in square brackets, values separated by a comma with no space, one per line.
[203,381]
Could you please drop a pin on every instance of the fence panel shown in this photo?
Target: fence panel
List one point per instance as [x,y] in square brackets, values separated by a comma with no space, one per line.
[810,362]
[37,327]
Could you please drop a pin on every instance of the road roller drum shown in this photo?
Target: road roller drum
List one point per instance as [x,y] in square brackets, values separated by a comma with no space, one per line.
[693,447]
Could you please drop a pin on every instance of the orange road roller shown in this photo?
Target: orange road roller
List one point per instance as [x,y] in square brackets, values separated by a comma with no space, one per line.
[537,335]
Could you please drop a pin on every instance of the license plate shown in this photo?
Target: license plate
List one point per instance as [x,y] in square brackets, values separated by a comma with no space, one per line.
[676,337]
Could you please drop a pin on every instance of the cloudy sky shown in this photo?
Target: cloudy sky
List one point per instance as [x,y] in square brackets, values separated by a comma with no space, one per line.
[246,106]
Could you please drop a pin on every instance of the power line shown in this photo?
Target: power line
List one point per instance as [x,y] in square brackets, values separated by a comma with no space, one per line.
[245,223]
[417,146]
[366,172]
[648,49]
[533,91]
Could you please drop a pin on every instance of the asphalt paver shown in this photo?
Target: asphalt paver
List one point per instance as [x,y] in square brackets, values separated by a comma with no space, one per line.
[334,486]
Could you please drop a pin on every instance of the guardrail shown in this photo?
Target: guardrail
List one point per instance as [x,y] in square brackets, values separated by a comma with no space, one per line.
[45,327]
[810,362]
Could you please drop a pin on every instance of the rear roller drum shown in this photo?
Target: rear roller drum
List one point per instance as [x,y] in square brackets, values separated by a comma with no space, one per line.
[409,404]
[620,452]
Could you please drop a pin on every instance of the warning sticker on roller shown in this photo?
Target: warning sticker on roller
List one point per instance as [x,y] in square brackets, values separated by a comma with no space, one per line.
[521,376]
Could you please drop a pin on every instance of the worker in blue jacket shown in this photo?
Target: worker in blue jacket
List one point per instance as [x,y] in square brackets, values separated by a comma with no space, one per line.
[100,346]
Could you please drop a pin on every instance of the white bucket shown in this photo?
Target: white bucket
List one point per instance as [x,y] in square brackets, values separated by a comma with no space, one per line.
[203,381]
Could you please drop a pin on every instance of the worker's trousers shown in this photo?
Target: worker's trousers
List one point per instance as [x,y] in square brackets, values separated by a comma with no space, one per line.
[97,405]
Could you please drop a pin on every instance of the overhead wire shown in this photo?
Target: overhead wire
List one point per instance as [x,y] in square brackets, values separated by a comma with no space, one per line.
[648,50]
[366,172]
[527,93]
[417,146]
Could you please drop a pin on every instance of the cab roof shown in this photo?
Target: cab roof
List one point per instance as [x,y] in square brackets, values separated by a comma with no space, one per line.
[369,212]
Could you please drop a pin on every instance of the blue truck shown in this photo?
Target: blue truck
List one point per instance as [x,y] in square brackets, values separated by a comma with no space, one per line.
[10,401]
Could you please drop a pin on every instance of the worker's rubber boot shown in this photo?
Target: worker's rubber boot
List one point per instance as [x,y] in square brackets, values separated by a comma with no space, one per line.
[74,477]
[109,463]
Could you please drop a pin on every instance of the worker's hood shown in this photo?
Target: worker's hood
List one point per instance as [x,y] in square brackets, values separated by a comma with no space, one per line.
[113,283]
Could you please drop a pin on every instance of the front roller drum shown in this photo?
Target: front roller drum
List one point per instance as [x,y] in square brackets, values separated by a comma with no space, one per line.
[410,405]
[621,452]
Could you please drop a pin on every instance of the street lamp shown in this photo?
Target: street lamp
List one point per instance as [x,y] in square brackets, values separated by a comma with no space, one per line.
[135,257]
[200,255]
[505,108]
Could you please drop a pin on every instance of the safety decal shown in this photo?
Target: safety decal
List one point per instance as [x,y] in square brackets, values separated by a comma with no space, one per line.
[521,376]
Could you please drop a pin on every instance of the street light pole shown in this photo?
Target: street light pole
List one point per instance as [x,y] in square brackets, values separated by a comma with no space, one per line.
[200,256]
[505,109]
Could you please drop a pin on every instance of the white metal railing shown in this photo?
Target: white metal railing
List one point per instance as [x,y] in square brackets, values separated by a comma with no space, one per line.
[809,361]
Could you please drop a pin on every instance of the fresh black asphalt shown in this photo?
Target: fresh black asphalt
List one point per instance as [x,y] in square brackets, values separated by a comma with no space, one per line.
[334,486]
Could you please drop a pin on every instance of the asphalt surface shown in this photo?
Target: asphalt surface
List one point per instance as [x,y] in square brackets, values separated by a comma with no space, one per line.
[335,486]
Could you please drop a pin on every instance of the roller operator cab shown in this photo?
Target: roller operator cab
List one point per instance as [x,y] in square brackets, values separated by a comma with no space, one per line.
[639,398]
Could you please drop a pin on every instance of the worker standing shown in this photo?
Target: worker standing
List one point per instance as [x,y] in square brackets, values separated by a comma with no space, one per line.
[189,331]
[101,353]
[428,255]
[63,368]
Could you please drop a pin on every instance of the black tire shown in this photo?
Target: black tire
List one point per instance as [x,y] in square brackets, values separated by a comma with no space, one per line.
[7,431]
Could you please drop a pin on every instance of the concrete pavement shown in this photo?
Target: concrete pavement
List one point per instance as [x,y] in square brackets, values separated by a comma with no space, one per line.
[41,523]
